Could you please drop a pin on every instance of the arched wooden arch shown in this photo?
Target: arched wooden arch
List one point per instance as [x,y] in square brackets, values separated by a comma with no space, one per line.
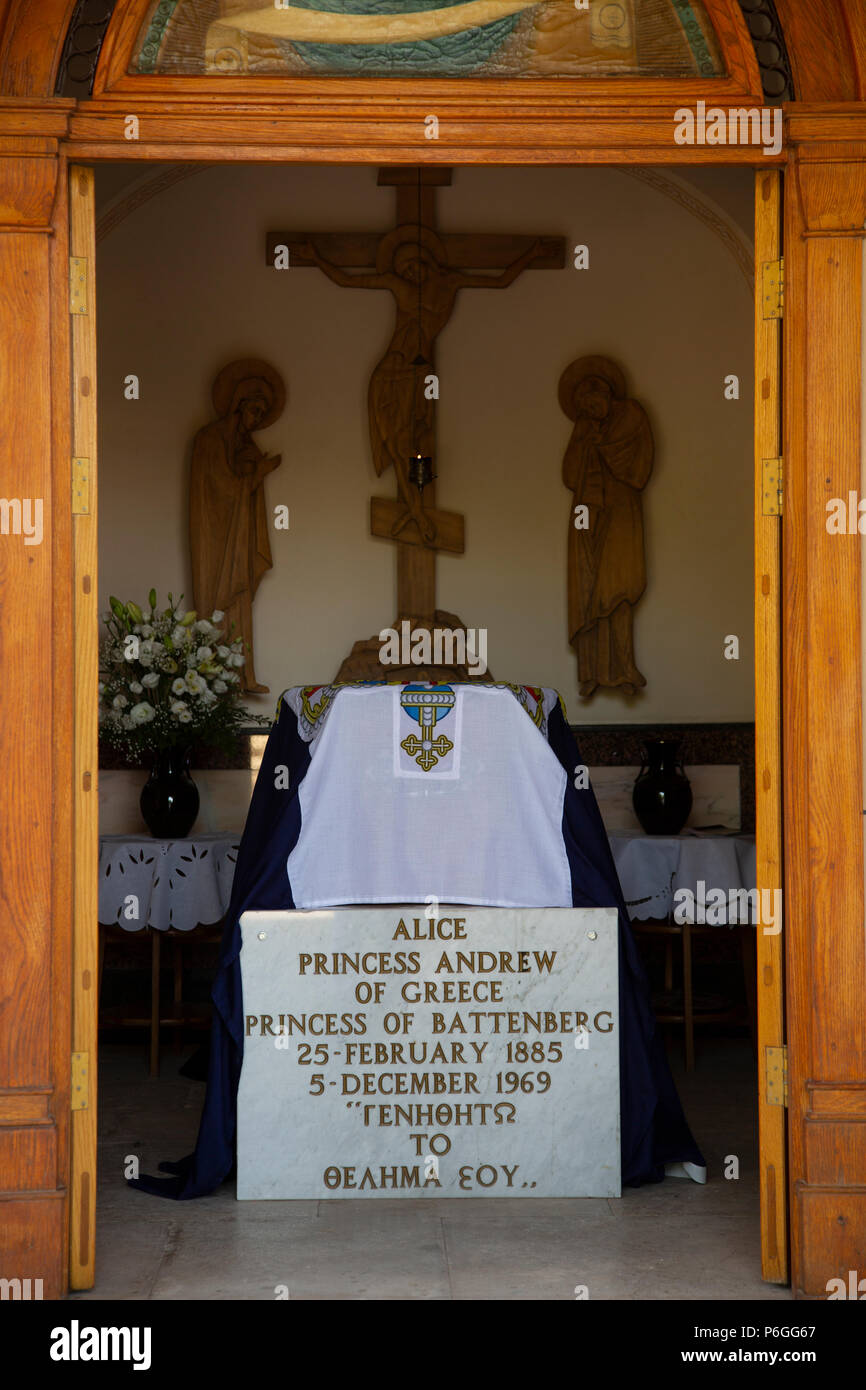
[614,122]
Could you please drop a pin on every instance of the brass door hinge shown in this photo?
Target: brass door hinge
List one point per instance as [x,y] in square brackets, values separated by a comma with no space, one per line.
[80,1084]
[777,1075]
[772,479]
[80,486]
[773,288]
[78,284]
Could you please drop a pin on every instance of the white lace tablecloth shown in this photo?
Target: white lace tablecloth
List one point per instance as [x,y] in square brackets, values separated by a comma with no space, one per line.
[185,883]
[652,868]
[165,883]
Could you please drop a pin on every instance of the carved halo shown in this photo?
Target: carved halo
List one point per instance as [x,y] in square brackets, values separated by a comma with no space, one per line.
[577,371]
[245,369]
[409,234]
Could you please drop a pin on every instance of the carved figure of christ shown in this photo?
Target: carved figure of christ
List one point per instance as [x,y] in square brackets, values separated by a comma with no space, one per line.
[424,272]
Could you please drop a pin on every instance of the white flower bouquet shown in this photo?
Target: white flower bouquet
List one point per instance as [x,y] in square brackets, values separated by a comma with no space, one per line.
[169,678]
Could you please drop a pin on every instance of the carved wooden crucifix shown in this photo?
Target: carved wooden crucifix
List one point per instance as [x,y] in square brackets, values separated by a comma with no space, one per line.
[424,270]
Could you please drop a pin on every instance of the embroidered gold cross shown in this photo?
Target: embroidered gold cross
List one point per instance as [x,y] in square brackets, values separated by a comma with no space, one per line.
[428,753]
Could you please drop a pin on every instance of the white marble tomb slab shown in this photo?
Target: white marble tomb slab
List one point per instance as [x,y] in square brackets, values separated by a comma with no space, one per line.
[397,1097]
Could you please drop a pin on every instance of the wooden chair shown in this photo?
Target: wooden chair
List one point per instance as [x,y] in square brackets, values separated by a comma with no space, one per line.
[154,1017]
[687,1014]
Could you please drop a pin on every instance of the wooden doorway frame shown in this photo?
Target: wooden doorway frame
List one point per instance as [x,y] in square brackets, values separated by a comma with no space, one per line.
[268,120]
[767,599]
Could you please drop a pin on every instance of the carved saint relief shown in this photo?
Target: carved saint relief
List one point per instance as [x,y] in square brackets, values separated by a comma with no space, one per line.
[606,465]
[228,529]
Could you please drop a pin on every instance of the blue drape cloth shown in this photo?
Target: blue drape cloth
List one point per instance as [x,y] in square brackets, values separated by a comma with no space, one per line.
[652,1124]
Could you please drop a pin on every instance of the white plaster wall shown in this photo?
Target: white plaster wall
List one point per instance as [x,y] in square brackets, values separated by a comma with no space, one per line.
[183,288]
[224,798]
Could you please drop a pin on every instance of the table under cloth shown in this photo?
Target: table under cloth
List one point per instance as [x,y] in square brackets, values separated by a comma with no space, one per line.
[715,872]
[178,884]
[184,883]
[403,793]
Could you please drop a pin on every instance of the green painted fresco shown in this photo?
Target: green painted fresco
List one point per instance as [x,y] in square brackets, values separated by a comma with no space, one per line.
[453,55]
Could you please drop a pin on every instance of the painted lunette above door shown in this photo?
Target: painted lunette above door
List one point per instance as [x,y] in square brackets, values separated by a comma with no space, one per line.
[428,38]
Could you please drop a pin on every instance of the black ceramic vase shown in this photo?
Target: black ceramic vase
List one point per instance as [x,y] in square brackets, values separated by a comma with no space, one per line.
[169,798]
[662,796]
